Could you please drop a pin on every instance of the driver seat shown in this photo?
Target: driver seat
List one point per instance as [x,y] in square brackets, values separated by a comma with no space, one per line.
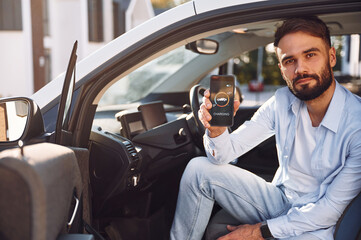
[347,227]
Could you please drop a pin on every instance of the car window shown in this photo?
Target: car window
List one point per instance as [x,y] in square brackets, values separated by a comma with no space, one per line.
[143,80]
[255,89]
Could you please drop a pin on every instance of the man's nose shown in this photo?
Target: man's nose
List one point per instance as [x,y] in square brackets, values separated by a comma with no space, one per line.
[301,67]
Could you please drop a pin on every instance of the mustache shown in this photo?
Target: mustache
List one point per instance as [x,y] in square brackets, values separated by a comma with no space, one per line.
[305,75]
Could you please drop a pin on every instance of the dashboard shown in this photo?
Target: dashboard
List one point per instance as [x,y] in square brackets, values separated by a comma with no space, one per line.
[147,116]
[142,144]
[133,164]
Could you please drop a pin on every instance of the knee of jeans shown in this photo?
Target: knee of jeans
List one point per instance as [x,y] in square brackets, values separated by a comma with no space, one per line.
[195,171]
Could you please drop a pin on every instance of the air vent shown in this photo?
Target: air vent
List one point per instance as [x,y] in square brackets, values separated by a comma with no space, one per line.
[132,153]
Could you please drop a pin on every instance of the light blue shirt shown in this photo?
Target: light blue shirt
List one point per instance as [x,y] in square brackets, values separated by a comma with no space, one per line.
[336,160]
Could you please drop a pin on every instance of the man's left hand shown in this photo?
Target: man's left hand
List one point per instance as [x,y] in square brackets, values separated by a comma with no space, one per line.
[243,232]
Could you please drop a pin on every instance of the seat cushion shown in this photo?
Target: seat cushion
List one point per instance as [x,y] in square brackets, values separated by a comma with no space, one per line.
[349,225]
[217,227]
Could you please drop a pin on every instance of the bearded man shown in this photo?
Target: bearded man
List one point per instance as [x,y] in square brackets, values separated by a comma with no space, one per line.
[317,126]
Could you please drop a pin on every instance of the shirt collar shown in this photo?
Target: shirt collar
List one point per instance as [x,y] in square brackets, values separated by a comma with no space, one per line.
[295,103]
[333,115]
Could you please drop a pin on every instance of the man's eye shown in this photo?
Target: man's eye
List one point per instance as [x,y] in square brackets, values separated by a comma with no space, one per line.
[310,55]
[290,61]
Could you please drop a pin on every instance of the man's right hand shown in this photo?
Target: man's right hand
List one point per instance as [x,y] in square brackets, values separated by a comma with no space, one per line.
[204,115]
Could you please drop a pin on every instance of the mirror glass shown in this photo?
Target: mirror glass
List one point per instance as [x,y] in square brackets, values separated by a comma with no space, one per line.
[13,118]
[207,46]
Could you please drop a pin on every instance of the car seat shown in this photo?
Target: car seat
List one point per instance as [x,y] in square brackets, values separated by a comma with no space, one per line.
[347,227]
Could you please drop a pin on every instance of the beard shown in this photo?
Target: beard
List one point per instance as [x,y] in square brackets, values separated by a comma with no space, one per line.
[307,93]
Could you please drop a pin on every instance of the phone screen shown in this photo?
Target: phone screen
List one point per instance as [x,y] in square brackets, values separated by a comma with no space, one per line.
[222,95]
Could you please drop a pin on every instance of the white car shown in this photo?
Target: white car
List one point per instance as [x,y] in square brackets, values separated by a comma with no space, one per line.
[119,134]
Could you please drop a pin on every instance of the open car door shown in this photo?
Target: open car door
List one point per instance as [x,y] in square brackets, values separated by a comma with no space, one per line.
[61,133]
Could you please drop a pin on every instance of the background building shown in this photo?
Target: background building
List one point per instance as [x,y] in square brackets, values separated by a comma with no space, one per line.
[36,36]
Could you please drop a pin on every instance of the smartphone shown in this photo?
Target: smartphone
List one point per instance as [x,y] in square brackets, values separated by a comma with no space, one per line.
[222,89]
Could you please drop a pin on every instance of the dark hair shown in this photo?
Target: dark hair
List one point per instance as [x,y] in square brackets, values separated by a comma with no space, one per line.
[310,24]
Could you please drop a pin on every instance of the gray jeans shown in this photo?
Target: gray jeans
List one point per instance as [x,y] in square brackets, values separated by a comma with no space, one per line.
[246,196]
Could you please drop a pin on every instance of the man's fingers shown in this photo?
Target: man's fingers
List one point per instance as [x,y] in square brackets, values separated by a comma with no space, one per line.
[207,103]
[204,116]
[206,100]
[201,118]
[232,228]
[206,93]
[230,235]
[205,113]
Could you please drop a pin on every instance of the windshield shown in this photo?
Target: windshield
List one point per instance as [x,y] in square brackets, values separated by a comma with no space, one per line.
[145,79]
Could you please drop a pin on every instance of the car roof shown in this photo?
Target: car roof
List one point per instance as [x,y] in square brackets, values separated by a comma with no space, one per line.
[202,6]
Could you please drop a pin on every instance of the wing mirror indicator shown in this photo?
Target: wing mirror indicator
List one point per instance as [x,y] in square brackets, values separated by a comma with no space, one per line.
[203,46]
[20,119]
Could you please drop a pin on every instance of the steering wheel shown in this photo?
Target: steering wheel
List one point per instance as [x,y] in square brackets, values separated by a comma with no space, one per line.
[195,93]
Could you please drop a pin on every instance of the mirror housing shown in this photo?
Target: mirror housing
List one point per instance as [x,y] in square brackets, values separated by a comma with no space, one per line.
[20,119]
[203,46]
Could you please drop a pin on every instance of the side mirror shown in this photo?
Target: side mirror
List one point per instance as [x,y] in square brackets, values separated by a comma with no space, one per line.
[20,119]
[203,46]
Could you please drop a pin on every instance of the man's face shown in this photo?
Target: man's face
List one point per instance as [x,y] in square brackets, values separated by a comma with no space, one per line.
[305,63]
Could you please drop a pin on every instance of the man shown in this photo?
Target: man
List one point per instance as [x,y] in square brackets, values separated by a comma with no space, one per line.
[317,125]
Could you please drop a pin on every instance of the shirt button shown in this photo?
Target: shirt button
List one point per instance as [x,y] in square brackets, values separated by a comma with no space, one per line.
[286,156]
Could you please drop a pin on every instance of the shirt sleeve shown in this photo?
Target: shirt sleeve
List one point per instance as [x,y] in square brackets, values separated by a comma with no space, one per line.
[227,147]
[327,210]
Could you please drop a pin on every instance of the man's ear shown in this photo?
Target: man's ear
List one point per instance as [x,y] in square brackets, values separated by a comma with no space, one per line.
[279,63]
[332,56]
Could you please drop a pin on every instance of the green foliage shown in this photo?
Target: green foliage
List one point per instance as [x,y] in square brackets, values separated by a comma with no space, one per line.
[246,70]
[270,71]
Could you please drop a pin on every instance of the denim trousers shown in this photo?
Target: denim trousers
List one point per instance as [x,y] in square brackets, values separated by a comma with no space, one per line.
[247,197]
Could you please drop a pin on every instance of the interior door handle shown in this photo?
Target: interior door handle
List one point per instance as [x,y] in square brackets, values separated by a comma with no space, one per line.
[74,211]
